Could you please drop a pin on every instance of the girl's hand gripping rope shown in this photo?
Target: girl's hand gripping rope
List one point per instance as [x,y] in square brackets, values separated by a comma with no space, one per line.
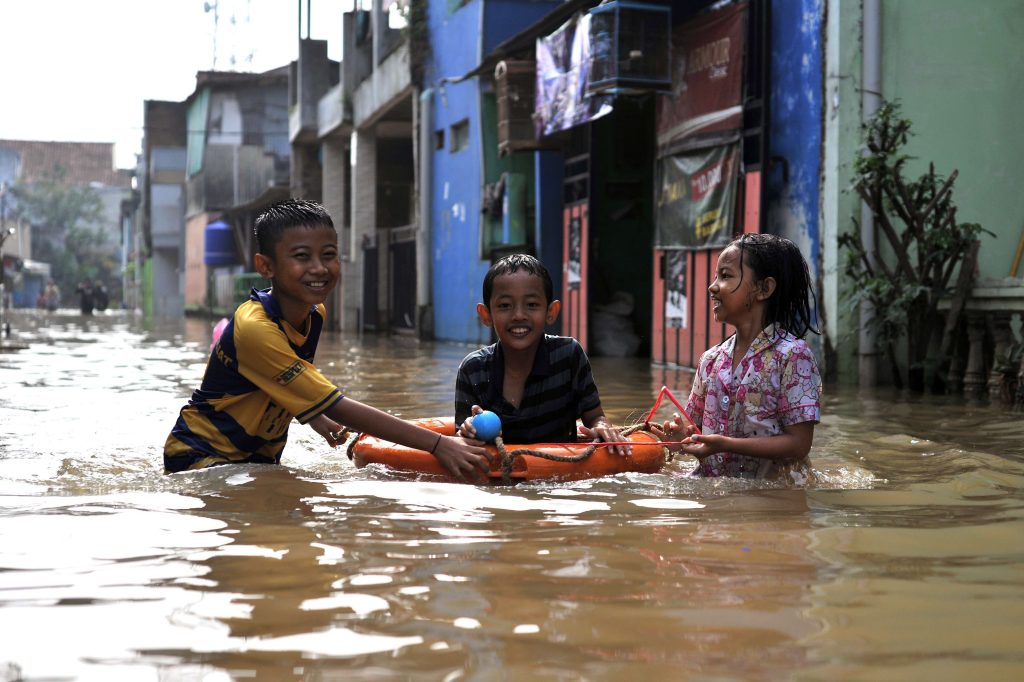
[679,434]
[672,430]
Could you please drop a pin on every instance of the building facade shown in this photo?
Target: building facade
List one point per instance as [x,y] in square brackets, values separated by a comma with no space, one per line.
[220,156]
[81,169]
[419,144]
[954,72]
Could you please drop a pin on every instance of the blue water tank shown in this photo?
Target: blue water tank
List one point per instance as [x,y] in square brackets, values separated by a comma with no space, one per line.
[219,244]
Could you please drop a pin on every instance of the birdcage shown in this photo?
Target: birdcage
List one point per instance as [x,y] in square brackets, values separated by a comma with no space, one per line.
[516,83]
[630,47]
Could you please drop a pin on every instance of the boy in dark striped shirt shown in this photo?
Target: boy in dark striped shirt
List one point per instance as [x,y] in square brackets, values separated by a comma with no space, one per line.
[537,384]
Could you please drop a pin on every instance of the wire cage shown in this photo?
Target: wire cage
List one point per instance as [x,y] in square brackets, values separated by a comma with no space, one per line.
[516,83]
[630,47]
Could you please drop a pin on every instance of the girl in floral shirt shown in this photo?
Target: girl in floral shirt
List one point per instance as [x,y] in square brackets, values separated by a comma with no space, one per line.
[756,396]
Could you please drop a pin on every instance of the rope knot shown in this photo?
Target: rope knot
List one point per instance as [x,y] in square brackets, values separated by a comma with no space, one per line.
[507,458]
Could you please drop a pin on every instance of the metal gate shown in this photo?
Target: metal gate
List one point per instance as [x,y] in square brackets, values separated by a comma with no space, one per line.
[402,263]
[371,271]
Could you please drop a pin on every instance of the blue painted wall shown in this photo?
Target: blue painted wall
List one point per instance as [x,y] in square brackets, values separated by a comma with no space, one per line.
[455,178]
[505,18]
[796,125]
[459,41]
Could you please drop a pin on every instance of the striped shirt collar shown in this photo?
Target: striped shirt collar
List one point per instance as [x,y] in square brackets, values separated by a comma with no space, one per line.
[541,367]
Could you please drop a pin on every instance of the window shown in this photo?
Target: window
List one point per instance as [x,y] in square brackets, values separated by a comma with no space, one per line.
[459,136]
[439,139]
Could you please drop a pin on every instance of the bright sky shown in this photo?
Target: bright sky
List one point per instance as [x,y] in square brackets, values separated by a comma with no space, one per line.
[79,70]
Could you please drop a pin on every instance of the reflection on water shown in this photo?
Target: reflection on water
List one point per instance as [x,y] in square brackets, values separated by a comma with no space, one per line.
[903,560]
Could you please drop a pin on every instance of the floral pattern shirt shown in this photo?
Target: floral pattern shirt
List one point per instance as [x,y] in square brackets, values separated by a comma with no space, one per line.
[776,384]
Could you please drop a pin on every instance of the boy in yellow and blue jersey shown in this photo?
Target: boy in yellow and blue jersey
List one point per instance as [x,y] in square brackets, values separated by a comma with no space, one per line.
[261,373]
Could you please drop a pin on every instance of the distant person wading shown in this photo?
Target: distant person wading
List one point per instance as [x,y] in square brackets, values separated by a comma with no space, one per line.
[86,297]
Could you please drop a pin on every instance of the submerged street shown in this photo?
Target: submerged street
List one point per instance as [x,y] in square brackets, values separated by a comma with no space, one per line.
[317,570]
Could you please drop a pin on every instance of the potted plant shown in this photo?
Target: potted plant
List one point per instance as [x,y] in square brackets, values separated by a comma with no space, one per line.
[920,247]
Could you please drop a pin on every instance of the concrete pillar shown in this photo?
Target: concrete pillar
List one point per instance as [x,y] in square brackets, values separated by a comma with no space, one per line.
[841,140]
[364,221]
[335,175]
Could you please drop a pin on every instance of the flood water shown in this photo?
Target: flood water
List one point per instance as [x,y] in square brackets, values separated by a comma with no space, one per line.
[904,561]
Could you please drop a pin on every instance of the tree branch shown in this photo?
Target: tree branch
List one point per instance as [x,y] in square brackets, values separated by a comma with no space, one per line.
[897,244]
[947,186]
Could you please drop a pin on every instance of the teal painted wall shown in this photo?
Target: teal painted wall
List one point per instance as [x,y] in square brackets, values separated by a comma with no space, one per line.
[958,69]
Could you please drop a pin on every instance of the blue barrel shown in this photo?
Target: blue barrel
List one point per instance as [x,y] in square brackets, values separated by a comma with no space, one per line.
[220,244]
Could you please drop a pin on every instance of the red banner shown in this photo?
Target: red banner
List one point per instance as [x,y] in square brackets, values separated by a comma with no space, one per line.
[707,77]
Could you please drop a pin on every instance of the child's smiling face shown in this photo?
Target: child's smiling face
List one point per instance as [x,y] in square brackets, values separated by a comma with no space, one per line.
[518,310]
[305,268]
[733,292]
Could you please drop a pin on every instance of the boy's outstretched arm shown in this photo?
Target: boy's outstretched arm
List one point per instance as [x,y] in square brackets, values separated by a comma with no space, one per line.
[596,425]
[456,455]
[329,430]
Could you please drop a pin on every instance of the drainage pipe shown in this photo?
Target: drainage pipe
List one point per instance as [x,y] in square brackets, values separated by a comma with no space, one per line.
[424,240]
[871,98]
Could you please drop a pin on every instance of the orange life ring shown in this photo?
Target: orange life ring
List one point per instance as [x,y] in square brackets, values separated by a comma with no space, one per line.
[648,457]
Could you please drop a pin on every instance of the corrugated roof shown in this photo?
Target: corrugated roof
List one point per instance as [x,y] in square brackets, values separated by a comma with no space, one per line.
[82,162]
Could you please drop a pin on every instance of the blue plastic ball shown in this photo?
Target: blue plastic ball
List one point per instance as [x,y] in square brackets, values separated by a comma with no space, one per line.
[487,425]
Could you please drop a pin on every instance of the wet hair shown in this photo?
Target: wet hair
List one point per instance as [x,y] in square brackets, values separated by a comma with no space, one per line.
[789,306]
[514,263]
[272,222]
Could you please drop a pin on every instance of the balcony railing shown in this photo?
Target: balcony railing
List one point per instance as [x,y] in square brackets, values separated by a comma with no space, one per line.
[993,366]
[334,111]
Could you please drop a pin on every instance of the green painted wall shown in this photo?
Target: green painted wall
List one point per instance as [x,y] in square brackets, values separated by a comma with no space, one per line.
[958,69]
[520,163]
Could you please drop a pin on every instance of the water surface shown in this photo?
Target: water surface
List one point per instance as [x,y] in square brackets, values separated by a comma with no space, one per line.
[902,562]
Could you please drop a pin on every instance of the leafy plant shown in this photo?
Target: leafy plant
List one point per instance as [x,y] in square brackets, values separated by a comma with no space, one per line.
[65,222]
[906,274]
[417,32]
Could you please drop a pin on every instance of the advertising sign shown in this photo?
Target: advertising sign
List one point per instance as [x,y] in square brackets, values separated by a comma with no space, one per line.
[696,197]
[707,75]
[562,77]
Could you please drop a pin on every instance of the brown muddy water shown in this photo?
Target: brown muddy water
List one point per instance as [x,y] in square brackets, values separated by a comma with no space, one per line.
[905,561]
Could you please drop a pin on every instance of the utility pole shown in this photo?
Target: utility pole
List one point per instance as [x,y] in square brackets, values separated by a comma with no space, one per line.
[212,7]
